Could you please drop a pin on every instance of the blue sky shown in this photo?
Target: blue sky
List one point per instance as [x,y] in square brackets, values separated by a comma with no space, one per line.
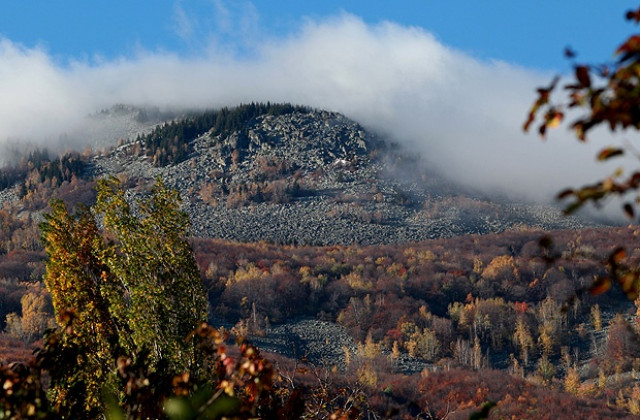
[531,34]
[451,79]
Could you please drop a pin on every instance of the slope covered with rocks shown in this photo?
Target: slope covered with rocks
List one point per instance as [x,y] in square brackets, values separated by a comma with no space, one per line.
[314,177]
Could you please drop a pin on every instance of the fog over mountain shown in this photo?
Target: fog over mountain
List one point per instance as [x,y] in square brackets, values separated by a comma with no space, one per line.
[462,114]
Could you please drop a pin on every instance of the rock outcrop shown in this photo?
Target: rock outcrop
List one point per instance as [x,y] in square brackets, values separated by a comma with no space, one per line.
[318,178]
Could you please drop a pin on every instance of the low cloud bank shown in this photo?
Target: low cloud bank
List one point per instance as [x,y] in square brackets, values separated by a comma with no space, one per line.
[463,115]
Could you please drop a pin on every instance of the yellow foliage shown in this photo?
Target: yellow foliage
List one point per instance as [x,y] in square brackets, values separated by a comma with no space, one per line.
[241,329]
[367,376]
[247,273]
[370,349]
[426,256]
[305,272]
[424,313]
[546,339]
[35,319]
[408,328]
[523,339]
[634,401]
[395,350]
[596,317]
[355,281]
[502,266]
[572,381]
[382,261]
[347,355]
[478,266]
[397,270]
[423,344]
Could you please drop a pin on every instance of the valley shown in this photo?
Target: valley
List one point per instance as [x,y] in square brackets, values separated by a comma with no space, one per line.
[332,247]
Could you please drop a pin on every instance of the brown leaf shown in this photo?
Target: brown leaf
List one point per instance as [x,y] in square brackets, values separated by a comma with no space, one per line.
[628,210]
[633,15]
[530,118]
[601,285]
[582,74]
[542,130]
[634,181]
[565,193]
[617,256]
[631,45]
[569,53]
[580,131]
[609,152]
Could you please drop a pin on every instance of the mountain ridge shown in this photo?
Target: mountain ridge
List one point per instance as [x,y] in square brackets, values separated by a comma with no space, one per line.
[276,172]
[319,178]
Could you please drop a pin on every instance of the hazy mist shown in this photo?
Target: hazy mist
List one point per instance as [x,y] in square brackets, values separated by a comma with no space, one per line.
[462,114]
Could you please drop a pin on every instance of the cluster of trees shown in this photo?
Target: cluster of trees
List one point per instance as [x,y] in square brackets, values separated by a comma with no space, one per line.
[171,143]
[433,300]
[38,167]
[131,341]
[130,308]
[40,177]
[129,304]
[278,191]
[269,181]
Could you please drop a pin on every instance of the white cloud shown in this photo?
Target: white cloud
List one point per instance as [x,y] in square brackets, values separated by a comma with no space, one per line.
[222,16]
[464,115]
[183,24]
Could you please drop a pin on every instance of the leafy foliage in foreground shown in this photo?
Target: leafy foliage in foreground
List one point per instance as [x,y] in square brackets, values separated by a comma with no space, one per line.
[131,341]
[121,282]
[238,385]
[607,95]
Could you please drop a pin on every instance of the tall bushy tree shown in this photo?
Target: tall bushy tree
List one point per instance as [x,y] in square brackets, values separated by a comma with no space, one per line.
[146,253]
[76,278]
[129,280]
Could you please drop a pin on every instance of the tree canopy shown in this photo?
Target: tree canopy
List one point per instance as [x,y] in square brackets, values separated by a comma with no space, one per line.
[129,281]
[171,143]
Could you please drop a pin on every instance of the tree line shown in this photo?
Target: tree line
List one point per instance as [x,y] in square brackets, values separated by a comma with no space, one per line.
[171,143]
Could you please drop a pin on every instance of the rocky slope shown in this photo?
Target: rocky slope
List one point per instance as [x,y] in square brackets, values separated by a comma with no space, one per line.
[322,343]
[317,178]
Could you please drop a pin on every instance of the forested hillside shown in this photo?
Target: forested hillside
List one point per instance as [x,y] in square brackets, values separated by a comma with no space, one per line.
[172,143]
[468,304]
[495,309]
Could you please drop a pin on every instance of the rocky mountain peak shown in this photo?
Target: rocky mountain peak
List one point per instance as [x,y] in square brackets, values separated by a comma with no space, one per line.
[304,176]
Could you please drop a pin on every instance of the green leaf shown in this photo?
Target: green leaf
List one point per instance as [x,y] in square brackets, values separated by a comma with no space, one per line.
[179,409]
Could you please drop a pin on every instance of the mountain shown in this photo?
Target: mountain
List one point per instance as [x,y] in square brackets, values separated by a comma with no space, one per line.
[376,315]
[294,175]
